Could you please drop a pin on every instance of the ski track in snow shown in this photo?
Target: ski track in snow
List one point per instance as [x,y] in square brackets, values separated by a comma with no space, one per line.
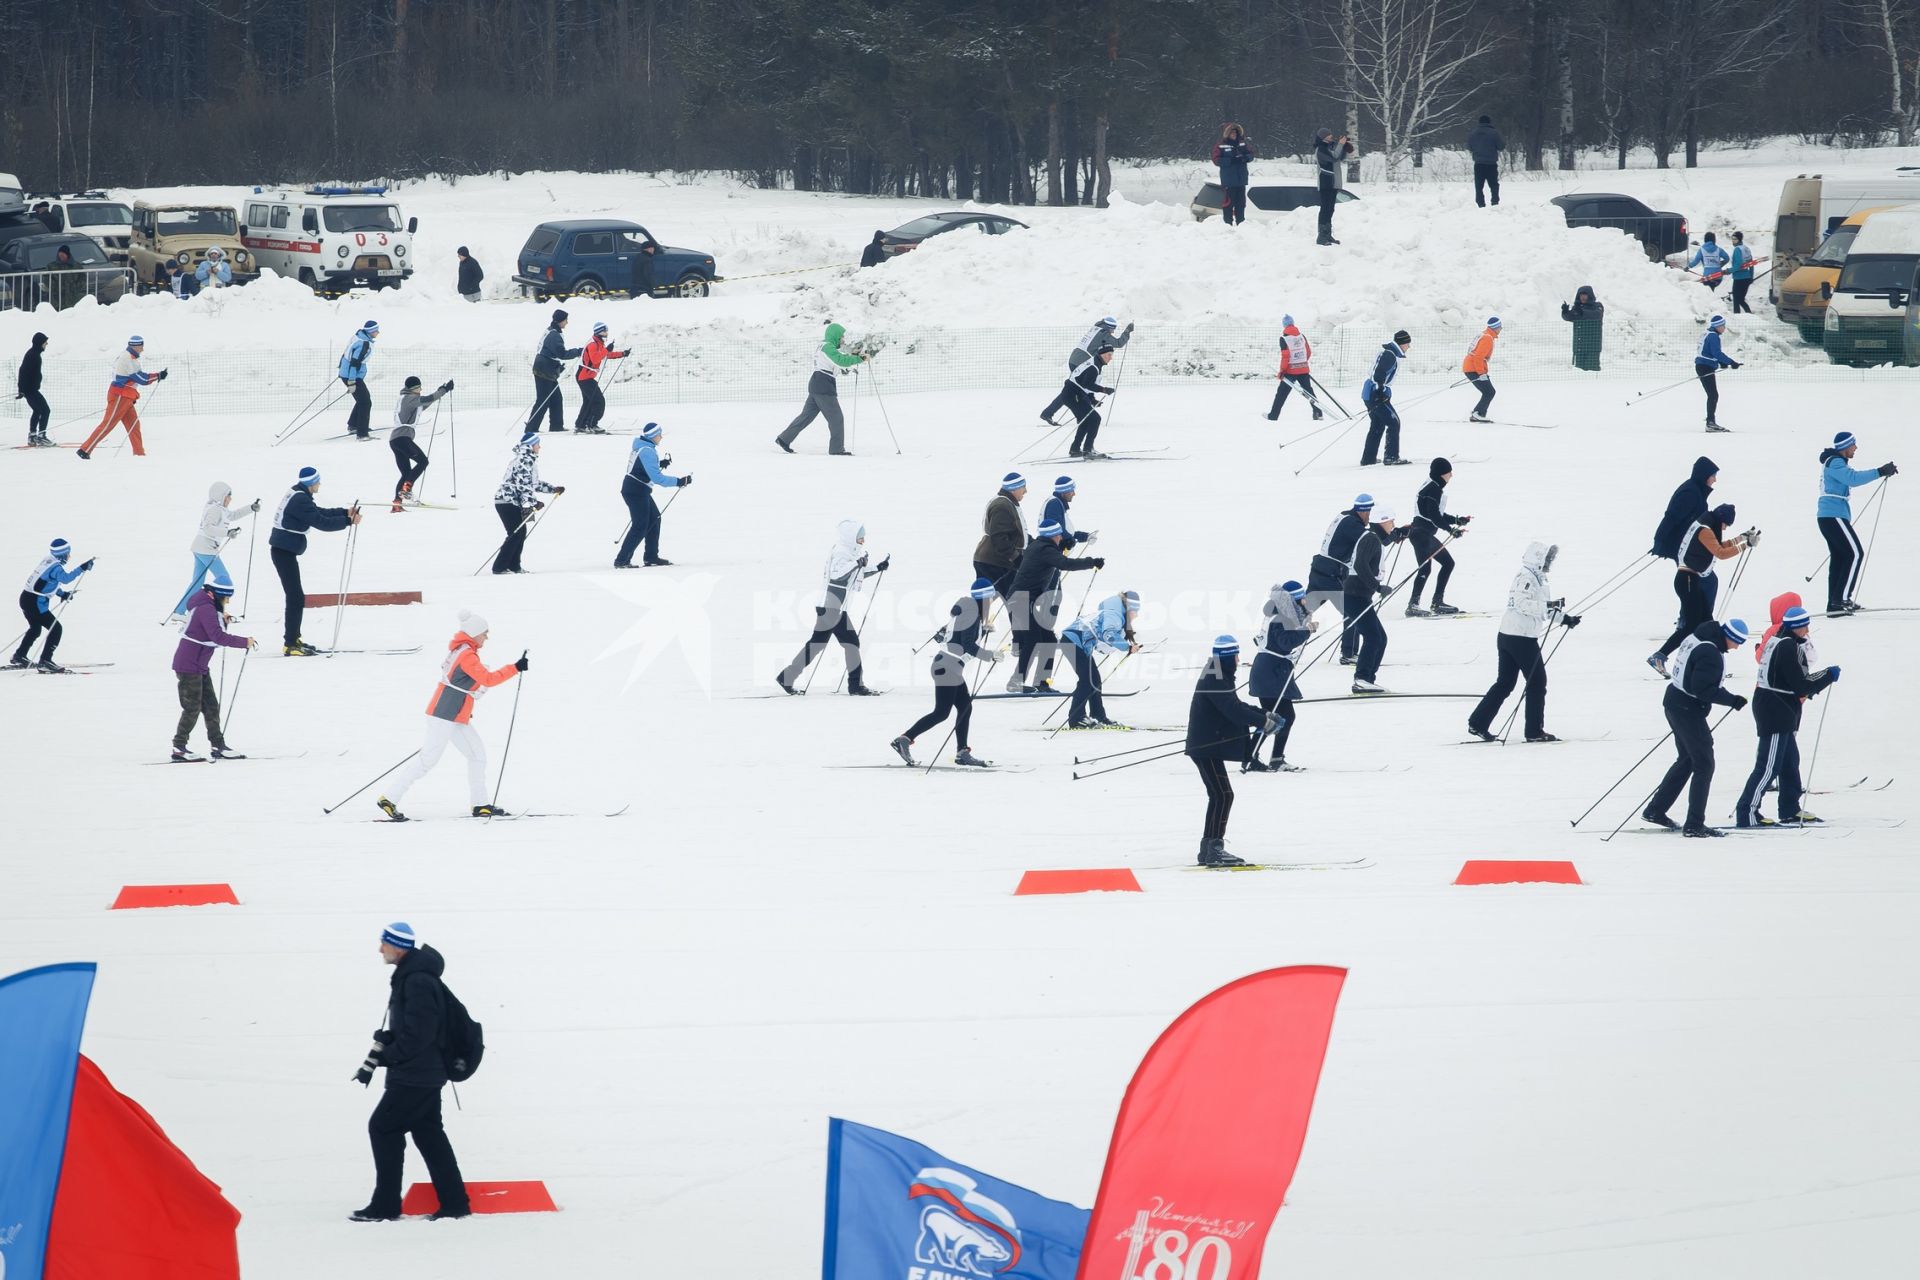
[1695,1064]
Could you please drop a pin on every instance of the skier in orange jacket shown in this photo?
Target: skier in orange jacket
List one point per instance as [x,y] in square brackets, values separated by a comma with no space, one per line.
[122,393]
[1295,371]
[463,678]
[1475,367]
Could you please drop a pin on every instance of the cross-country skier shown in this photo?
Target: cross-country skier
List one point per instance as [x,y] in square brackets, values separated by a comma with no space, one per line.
[1698,668]
[636,490]
[122,394]
[1058,510]
[1296,358]
[998,552]
[1712,261]
[593,359]
[1104,332]
[1034,605]
[1689,502]
[1786,681]
[463,679]
[1288,629]
[27,387]
[1218,723]
[1079,391]
[353,373]
[1530,614]
[823,392]
[515,504]
[1327,572]
[296,515]
[218,525]
[192,668]
[407,454]
[1377,395]
[846,571]
[960,640]
[49,581]
[548,362]
[1475,367]
[1363,584]
[1431,520]
[1835,517]
[1740,263]
[1707,363]
[1109,630]
[1694,581]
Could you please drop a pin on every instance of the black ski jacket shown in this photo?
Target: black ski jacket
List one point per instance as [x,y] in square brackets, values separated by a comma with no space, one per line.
[416,1021]
[1036,583]
[1429,505]
[1777,709]
[1688,503]
[29,380]
[1700,680]
[1217,720]
[1363,580]
[1329,568]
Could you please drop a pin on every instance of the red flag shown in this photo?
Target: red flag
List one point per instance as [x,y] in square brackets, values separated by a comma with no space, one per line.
[1210,1130]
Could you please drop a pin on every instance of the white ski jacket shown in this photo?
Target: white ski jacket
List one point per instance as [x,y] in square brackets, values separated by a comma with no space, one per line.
[217,520]
[1528,613]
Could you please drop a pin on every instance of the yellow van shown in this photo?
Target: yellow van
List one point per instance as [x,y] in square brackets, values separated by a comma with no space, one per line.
[1801,302]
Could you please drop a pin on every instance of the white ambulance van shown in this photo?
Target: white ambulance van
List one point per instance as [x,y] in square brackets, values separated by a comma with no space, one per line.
[330,238]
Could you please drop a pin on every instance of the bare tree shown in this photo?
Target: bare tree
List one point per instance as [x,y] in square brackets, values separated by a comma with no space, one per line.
[1884,22]
[1413,63]
[1698,50]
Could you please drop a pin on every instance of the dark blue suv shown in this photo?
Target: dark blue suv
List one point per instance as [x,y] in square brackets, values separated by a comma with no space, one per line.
[593,256]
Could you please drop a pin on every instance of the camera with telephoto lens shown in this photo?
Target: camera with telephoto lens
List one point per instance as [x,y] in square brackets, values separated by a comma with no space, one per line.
[365,1074]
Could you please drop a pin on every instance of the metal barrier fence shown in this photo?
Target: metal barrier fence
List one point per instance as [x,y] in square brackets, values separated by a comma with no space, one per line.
[745,362]
[63,287]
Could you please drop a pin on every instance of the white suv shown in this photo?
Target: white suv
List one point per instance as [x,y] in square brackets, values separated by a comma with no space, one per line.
[330,238]
[95,215]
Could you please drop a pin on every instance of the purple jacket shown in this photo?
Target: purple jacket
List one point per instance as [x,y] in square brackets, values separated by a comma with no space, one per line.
[204,631]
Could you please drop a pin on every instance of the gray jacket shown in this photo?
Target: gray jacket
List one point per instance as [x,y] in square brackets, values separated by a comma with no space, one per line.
[406,414]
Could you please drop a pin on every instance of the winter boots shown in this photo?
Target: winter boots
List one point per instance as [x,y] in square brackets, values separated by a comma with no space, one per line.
[1441,608]
[391,809]
[903,747]
[490,811]
[1213,853]
[966,757]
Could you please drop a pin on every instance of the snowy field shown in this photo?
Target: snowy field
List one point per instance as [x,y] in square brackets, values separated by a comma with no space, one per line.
[1697,1064]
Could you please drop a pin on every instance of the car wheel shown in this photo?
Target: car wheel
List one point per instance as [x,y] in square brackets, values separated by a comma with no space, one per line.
[693,285]
[587,287]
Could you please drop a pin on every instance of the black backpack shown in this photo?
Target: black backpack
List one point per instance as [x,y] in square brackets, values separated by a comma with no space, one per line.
[461,1043]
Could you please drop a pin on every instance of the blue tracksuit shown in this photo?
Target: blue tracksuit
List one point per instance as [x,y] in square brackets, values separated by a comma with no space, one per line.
[1837,480]
[353,363]
[1056,509]
[1108,630]
[636,490]
[1710,356]
[1710,258]
[1385,366]
[50,577]
[298,513]
[1742,261]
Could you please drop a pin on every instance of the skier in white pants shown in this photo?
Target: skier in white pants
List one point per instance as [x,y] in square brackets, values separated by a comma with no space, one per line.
[463,678]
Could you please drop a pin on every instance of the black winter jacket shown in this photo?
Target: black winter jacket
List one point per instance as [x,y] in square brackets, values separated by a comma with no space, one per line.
[1327,569]
[1688,503]
[416,1021]
[1701,678]
[553,353]
[1217,720]
[470,274]
[29,380]
[1363,580]
[1779,712]
[1429,505]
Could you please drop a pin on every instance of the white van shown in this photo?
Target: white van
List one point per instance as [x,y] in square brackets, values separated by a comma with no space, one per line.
[330,238]
[1867,312]
[1813,206]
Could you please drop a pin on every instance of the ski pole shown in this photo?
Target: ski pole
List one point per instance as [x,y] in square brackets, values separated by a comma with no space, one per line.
[291,429]
[1180,749]
[1881,493]
[1114,395]
[1872,533]
[383,773]
[512,720]
[346,572]
[1315,380]
[1075,424]
[1641,397]
[1733,584]
[1332,422]
[872,600]
[433,434]
[1641,807]
[1064,701]
[1587,606]
[529,520]
[1350,424]
[1130,751]
[539,406]
[453,446]
[1631,570]
[253,536]
[1438,391]
[884,415]
[57,610]
[238,677]
[1623,777]
[979,679]
[1819,729]
[1514,714]
[662,516]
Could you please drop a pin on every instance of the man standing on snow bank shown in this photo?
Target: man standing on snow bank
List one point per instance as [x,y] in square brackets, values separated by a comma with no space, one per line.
[875,253]
[823,392]
[1328,153]
[1232,153]
[409,1047]
[1484,144]
[470,275]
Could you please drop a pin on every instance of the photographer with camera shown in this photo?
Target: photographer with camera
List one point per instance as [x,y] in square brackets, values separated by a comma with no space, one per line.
[412,1047]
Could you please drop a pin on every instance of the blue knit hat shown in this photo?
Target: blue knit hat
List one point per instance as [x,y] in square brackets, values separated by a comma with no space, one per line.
[1011,481]
[1294,589]
[1843,440]
[981,588]
[309,476]
[399,934]
[1718,322]
[1286,322]
[222,590]
[60,548]
[1130,597]
[1363,502]
[531,437]
[599,327]
[1493,322]
[1063,485]
[1794,619]
[1225,646]
[1051,529]
[1735,631]
[371,326]
[136,341]
[650,432]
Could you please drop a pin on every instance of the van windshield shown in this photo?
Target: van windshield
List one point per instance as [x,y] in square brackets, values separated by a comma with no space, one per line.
[1833,250]
[1878,272]
[99,215]
[361,217]
[195,222]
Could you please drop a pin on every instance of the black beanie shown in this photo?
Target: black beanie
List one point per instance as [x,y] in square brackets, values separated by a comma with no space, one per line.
[1437,468]
[558,315]
[412,381]
[1402,336]
[1486,119]
[1723,514]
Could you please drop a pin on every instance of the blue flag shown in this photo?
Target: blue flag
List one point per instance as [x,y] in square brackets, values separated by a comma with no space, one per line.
[42,1012]
[899,1211]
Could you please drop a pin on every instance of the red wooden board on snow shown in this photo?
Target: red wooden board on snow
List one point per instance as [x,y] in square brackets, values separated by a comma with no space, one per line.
[486,1197]
[1493,871]
[172,895]
[330,599]
[1096,880]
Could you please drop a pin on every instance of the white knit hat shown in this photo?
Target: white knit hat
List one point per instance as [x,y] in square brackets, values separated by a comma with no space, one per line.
[472,623]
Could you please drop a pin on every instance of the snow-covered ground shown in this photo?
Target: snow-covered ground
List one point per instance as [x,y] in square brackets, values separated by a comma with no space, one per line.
[1697,1064]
